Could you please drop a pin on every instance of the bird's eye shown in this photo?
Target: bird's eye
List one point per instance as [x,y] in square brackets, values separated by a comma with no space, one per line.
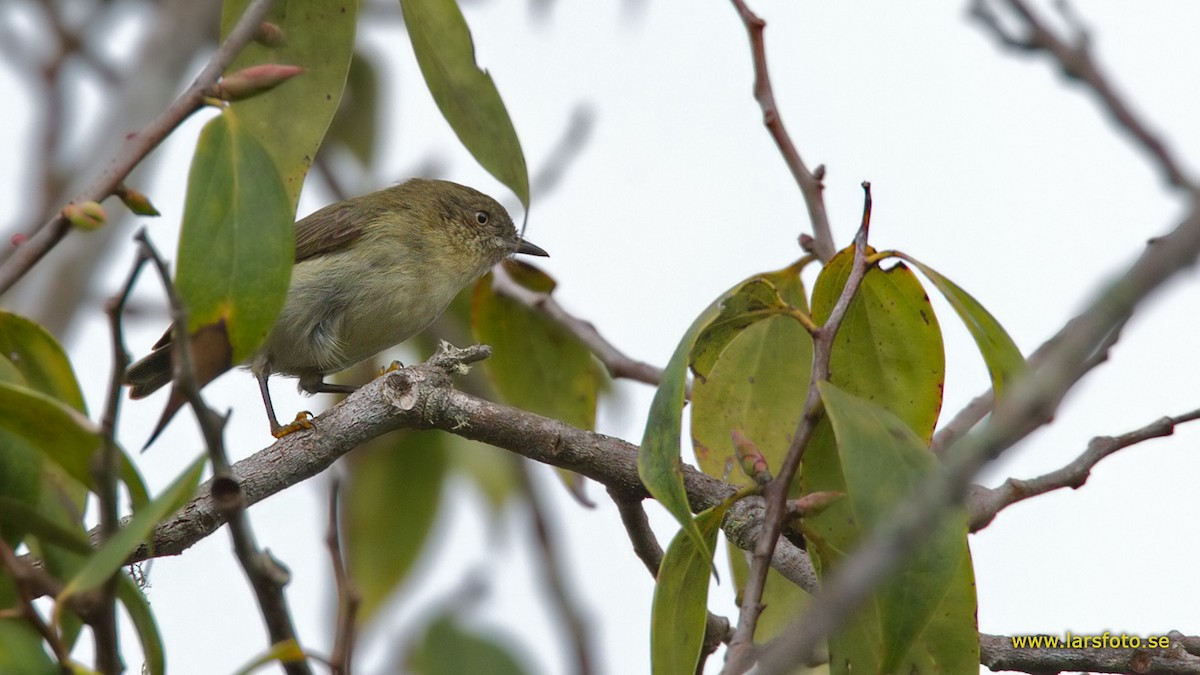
[481,217]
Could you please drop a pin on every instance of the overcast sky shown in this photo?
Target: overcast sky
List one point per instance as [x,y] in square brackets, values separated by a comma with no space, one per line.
[985,165]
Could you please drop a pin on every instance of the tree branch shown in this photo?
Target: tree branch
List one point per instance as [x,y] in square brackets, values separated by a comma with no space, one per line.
[998,652]
[985,503]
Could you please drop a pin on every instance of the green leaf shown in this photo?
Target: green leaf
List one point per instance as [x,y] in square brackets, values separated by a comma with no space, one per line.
[290,120]
[466,95]
[21,650]
[923,618]
[755,300]
[16,515]
[238,241]
[112,555]
[59,432]
[1004,361]
[659,466]
[680,608]
[143,621]
[40,359]
[757,386]
[889,347]
[451,649]
[389,505]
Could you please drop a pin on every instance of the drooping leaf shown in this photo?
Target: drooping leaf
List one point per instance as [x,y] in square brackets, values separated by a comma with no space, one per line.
[113,553]
[923,618]
[680,608]
[659,465]
[449,648]
[889,348]
[290,120]
[138,609]
[757,387]
[59,432]
[40,359]
[466,95]
[1004,361]
[389,505]
[237,242]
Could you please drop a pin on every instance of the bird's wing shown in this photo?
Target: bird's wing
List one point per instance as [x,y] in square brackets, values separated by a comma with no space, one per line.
[333,227]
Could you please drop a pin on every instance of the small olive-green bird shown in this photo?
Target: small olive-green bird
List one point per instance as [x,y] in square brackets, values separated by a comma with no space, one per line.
[370,272]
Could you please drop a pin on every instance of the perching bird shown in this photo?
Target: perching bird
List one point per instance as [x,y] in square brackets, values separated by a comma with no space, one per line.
[370,272]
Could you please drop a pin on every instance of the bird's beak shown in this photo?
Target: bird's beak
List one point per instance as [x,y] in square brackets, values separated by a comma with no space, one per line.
[531,249]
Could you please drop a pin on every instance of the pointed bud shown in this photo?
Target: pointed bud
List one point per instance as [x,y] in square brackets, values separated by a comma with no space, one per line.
[813,503]
[751,459]
[252,81]
[269,35]
[86,216]
[136,201]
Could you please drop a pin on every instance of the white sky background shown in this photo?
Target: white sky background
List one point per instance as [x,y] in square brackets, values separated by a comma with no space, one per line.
[984,166]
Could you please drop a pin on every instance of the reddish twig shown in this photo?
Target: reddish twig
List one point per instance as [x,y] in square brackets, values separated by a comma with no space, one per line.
[810,182]
[136,147]
[741,648]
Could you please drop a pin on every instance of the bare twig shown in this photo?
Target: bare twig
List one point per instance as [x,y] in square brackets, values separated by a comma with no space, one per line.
[998,652]
[1031,403]
[741,649]
[984,503]
[556,582]
[809,181]
[1074,58]
[341,659]
[615,361]
[135,148]
[266,575]
[104,622]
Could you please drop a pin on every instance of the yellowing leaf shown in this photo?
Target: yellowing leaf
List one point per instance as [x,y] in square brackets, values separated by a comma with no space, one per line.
[290,121]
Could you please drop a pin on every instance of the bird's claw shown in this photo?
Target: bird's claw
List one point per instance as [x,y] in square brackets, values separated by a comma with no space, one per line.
[304,420]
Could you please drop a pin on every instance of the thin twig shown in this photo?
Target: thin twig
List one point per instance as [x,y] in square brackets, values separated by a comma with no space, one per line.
[104,622]
[556,582]
[984,503]
[267,576]
[741,649]
[46,236]
[341,659]
[618,364]
[1074,57]
[811,186]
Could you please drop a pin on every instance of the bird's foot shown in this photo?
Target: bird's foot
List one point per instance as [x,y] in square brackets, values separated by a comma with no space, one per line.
[393,366]
[304,420]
